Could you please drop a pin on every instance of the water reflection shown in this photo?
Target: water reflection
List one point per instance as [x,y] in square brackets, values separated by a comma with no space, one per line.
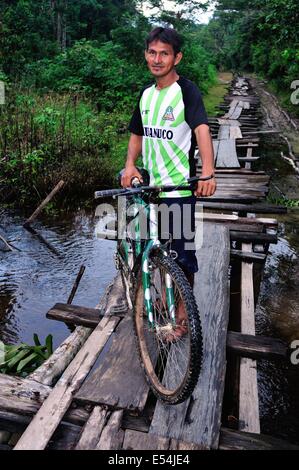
[278,316]
[34,279]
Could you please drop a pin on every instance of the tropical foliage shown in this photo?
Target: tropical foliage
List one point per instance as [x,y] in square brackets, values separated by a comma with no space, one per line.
[21,359]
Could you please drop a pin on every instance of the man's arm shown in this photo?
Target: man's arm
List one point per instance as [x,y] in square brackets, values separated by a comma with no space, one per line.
[205,146]
[134,150]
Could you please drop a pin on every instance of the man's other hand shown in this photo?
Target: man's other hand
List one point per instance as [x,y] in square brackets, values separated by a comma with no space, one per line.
[129,173]
[205,188]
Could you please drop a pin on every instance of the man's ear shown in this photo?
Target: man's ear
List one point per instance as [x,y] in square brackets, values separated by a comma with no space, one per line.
[178,58]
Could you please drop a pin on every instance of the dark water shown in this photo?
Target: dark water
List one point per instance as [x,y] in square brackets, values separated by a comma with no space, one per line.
[34,279]
[277,313]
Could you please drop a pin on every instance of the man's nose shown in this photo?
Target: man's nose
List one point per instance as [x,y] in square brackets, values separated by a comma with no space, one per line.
[158,58]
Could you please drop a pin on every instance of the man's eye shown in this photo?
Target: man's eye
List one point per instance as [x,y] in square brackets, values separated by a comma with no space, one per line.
[164,53]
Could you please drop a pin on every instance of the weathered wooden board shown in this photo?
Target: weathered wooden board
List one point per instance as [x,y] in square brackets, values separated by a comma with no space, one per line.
[93,428]
[112,435]
[198,419]
[223,132]
[24,397]
[235,132]
[37,435]
[235,207]
[227,154]
[236,440]
[237,112]
[119,381]
[248,392]
[135,440]
[74,314]
[247,256]
[114,300]
[256,346]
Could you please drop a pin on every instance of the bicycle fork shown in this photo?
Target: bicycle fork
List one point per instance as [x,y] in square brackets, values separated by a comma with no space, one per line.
[146,272]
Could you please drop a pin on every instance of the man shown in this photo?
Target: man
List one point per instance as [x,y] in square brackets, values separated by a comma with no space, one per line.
[167,123]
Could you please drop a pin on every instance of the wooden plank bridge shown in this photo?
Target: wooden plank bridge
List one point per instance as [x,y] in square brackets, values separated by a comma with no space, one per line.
[91,393]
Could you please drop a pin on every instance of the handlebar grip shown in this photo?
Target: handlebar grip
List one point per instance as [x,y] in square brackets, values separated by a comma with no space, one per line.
[108,193]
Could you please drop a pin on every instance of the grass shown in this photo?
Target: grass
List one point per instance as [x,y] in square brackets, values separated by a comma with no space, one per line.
[216,93]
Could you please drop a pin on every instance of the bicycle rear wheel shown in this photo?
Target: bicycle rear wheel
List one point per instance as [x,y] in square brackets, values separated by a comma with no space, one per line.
[170,351]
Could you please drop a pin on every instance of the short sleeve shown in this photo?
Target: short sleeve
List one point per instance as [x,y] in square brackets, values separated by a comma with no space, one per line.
[135,125]
[195,113]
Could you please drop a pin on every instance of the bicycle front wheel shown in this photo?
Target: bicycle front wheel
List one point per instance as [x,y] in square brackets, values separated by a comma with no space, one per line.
[170,348]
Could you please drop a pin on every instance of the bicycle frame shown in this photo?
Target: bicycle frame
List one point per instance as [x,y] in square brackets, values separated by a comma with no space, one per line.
[141,255]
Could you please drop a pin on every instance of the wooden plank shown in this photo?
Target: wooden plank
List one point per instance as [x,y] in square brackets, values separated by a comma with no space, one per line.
[249,257]
[248,159]
[53,367]
[17,423]
[235,132]
[112,435]
[223,133]
[238,228]
[227,155]
[208,216]
[136,440]
[256,346]
[252,237]
[93,428]
[37,435]
[236,113]
[236,440]
[228,122]
[238,171]
[114,302]
[198,419]
[74,314]
[20,395]
[248,392]
[176,444]
[113,383]
[235,207]
[30,396]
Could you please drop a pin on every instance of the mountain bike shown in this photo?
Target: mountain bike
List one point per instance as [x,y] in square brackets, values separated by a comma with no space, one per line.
[156,289]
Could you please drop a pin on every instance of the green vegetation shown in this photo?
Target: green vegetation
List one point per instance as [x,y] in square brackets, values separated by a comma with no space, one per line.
[22,359]
[259,36]
[73,72]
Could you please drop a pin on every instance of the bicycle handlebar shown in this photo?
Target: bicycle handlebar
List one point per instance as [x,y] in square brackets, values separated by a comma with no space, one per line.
[141,189]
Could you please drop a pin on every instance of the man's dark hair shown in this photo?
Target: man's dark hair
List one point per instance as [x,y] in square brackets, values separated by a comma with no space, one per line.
[166,35]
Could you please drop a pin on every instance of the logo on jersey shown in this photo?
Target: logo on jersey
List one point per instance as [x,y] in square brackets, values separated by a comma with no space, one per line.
[168,116]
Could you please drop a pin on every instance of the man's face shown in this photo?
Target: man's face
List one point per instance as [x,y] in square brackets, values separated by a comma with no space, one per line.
[161,59]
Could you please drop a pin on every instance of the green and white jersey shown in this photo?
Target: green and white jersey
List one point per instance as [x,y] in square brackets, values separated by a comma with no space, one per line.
[166,119]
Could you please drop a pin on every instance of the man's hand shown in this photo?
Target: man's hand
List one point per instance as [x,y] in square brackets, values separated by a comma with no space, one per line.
[205,188]
[129,173]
